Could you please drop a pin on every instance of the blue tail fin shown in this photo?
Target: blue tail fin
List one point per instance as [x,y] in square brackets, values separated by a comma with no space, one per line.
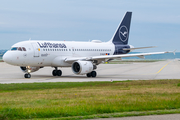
[122,33]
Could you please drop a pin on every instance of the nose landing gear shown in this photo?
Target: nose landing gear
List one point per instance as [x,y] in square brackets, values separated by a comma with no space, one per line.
[27,75]
[28,70]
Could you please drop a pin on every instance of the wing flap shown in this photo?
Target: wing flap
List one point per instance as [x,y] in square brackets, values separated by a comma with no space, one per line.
[142,56]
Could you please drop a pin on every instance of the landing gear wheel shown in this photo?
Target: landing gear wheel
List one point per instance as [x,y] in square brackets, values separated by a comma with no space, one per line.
[88,74]
[93,74]
[27,75]
[54,72]
[58,72]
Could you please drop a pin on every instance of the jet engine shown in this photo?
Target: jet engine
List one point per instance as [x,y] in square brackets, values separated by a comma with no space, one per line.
[29,69]
[82,67]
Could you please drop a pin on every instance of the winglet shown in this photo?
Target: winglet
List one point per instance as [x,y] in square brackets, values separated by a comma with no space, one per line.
[174,52]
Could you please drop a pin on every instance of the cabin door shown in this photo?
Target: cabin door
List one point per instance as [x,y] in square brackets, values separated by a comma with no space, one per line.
[35,49]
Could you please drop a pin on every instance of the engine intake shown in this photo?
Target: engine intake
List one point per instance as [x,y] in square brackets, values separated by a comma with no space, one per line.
[82,67]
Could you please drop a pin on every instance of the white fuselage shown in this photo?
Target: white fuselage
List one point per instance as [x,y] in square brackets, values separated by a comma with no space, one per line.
[53,53]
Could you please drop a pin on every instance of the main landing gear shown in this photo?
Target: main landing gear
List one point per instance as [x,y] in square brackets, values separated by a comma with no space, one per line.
[91,74]
[56,72]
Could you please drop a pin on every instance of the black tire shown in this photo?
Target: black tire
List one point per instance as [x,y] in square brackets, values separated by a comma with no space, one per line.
[88,74]
[93,73]
[59,73]
[54,72]
[27,75]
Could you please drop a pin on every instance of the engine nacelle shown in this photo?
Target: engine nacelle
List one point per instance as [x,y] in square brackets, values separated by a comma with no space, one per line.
[29,69]
[82,67]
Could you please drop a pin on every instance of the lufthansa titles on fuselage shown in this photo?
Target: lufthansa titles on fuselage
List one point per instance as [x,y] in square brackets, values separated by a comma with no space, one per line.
[51,45]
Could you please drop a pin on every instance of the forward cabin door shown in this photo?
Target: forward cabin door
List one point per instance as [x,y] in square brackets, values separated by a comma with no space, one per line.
[35,49]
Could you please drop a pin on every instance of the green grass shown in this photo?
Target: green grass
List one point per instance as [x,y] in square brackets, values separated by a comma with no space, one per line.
[75,100]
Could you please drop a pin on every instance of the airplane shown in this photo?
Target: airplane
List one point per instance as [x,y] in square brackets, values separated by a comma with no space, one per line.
[82,57]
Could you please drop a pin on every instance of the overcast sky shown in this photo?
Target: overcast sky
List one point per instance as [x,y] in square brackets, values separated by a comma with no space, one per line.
[154,22]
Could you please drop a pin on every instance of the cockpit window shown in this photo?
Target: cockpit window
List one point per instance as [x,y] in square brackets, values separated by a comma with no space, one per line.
[24,49]
[14,48]
[19,49]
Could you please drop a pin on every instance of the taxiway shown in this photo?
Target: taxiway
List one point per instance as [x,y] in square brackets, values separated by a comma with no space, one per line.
[168,69]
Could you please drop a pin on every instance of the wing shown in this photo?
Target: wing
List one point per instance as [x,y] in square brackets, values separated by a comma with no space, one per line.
[107,57]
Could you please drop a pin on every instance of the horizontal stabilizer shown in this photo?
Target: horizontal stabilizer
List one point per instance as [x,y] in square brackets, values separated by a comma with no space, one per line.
[138,48]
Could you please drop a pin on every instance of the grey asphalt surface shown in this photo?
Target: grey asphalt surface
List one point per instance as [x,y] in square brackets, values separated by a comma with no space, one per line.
[169,69]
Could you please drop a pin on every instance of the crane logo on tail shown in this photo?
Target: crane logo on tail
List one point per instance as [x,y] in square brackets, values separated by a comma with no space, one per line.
[123,33]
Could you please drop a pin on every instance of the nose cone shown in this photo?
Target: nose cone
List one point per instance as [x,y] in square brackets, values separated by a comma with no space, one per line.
[7,57]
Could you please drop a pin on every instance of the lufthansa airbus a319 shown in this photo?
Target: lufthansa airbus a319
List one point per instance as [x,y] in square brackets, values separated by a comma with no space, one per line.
[82,57]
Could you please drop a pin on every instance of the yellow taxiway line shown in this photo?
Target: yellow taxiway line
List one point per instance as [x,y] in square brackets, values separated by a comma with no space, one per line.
[163,67]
